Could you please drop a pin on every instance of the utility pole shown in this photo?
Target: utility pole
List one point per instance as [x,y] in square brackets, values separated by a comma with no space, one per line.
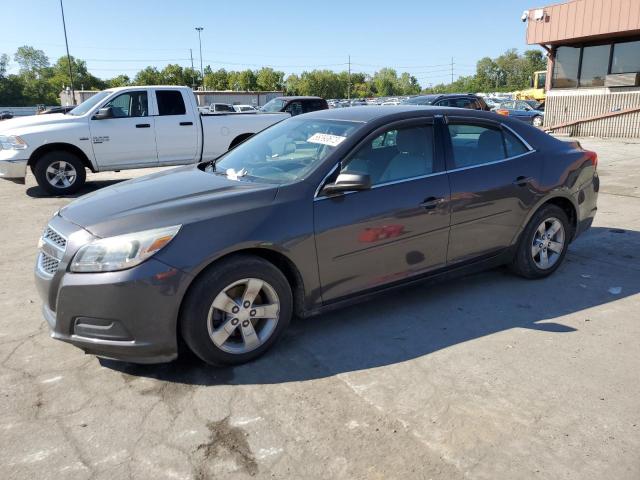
[193,77]
[451,69]
[349,81]
[64,27]
[199,29]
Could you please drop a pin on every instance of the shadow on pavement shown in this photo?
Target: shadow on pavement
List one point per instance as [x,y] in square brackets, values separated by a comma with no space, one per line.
[416,321]
[90,186]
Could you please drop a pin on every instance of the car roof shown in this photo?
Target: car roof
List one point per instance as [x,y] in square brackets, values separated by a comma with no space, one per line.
[366,114]
[300,97]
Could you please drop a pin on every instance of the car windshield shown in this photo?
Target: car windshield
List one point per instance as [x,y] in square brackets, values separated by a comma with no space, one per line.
[284,152]
[424,100]
[89,103]
[274,105]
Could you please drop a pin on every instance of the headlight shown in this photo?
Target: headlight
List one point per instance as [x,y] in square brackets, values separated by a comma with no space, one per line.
[121,252]
[12,142]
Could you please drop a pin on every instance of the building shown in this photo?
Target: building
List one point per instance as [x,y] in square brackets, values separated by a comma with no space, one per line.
[593,72]
[203,97]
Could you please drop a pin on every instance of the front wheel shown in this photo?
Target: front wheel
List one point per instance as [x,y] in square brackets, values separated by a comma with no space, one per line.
[60,173]
[543,244]
[236,311]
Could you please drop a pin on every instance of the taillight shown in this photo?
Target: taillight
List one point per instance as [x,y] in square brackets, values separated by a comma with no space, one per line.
[593,156]
[502,111]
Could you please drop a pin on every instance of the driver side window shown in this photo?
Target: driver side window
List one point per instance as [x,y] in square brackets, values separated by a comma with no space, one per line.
[130,104]
[397,154]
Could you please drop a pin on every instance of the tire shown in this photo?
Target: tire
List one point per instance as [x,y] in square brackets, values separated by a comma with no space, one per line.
[537,121]
[225,337]
[68,165]
[530,265]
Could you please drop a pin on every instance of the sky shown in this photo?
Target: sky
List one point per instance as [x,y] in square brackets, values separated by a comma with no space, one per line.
[418,36]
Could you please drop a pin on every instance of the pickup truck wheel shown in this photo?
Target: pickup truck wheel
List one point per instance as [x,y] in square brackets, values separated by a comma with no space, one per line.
[60,173]
[236,311]
[538,121]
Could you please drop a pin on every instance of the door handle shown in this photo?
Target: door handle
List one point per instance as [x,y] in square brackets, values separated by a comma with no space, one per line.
[522,181]
[142,125]
[184,124]
[431,203]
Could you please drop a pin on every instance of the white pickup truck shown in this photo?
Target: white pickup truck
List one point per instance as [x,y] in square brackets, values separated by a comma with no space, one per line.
[117,129]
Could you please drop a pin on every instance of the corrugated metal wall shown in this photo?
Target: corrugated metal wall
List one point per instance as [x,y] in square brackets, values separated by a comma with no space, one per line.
[566,108]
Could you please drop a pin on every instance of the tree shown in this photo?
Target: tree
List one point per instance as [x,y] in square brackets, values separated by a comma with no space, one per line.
[408,84]
[218,80]
[82,79]
[119,81]
[31,60]
[269,79]
[148,76]
[4,64]
[385,81]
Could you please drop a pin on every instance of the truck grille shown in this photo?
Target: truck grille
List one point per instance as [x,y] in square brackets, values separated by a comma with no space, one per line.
[48,264]
[52,248]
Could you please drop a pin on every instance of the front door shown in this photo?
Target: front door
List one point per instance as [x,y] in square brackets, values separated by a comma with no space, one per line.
[398,228]
[127,139]
[493,186]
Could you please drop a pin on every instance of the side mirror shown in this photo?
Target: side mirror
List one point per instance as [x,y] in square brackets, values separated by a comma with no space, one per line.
[103,113]
[348,182]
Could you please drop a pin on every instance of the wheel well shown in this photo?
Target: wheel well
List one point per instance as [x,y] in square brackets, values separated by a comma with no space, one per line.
[53,147]
[568,208]
[239,139]
[280,261]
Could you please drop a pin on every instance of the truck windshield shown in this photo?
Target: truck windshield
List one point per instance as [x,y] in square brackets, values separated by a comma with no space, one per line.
[274,105]
[285,152]
[89,103]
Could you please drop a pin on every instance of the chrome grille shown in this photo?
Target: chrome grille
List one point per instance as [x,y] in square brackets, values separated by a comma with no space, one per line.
[48,264]
[54,237]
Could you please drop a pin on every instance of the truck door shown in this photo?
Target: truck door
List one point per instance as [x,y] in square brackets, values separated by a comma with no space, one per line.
[176,129]
[127,138]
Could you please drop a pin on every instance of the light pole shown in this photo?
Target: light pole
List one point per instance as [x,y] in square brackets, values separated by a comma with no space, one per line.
[64,27]
[199,29]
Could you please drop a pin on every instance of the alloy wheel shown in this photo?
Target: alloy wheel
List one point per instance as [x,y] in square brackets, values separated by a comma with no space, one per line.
[548,243]
[243,315]
[61,174]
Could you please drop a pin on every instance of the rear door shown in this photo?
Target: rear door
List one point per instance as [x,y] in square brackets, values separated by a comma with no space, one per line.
[176,128]
[493,179]
[128,138]
[397,229]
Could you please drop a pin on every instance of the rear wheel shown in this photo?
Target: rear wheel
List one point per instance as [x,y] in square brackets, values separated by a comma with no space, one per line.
[60,173]
[236,311]
[543,244]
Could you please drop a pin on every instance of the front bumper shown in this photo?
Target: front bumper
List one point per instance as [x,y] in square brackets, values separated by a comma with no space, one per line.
[129,315]
[13,169]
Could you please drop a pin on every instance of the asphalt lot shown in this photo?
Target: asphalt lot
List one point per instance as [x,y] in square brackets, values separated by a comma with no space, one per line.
[487,377]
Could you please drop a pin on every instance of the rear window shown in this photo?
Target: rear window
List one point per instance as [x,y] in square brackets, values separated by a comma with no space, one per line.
[170,102]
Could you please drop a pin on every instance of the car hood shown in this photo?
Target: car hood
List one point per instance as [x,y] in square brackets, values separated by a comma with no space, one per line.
[32,120]
[172,197]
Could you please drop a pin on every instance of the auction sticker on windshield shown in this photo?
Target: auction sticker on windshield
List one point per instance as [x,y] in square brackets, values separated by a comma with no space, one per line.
[326,139]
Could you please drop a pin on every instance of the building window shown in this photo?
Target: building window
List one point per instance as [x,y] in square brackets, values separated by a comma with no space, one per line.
[595,64]
[565,72]
[626,57]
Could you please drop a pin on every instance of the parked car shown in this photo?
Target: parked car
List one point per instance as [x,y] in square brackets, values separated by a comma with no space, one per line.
[5,115]
[245,108]
[295,105]
[522,110]
[494,102]
[221,108]
[50,110]
[310,214]
[457,100]
[117,129]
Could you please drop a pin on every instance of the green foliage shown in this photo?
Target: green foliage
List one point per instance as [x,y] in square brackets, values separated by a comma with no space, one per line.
[506,73]
[40,82]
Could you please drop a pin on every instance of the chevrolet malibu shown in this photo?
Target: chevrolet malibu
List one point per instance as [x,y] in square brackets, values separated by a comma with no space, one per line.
[313,213]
